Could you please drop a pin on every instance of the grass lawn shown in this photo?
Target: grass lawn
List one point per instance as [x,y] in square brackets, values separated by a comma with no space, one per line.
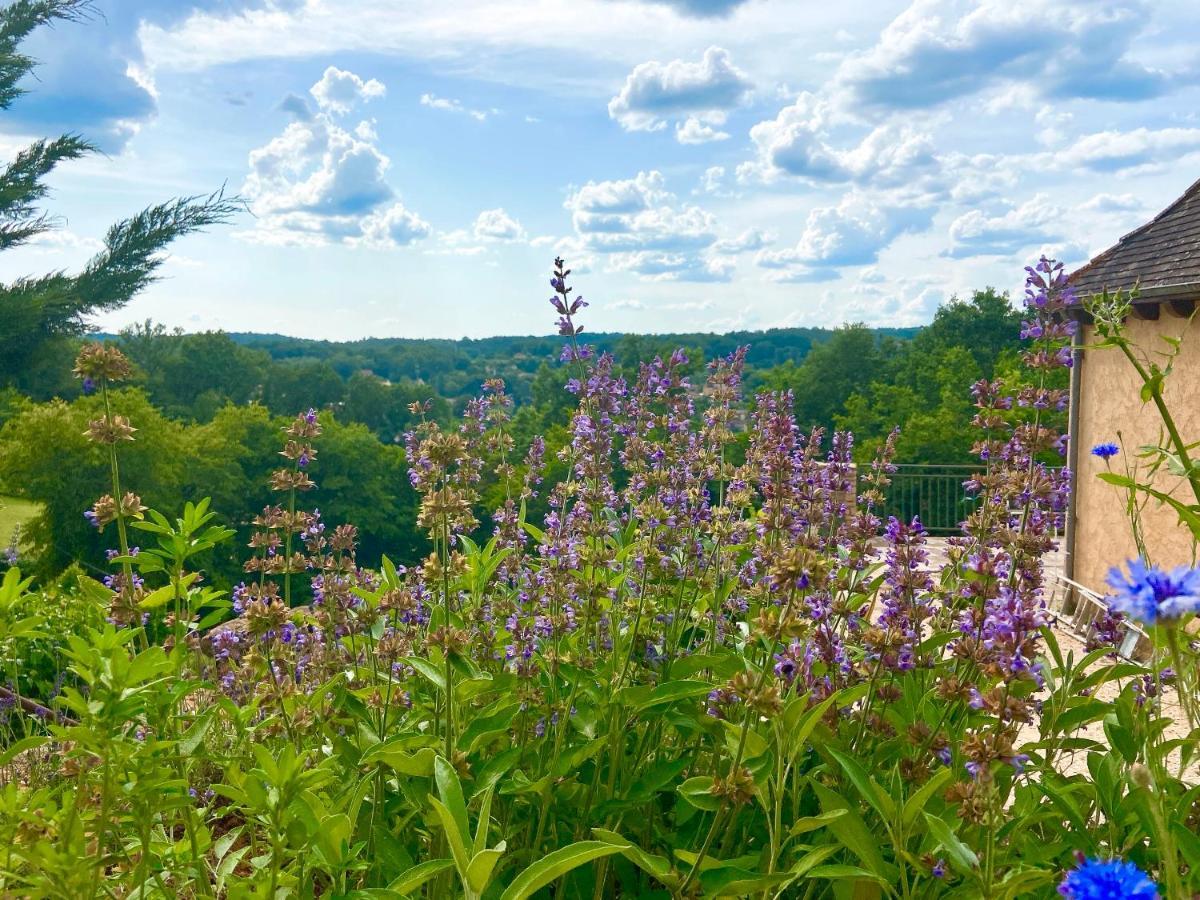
[13,512]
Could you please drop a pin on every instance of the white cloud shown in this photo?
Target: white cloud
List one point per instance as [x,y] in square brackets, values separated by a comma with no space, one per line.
[1139,150]
[793,274]
[318,182]
[658,265]
[693,131]
[1113,203]
[696,96]
[497,225]
[750,239]
[976,234]
[799,142]
[57,240]
[850,234]
[711,182]
[393,226]
[448,104]
[642,228]
[619,197]
[938,50]
[339,91]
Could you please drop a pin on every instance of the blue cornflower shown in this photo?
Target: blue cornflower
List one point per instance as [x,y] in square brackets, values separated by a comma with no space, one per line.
[1150,594]
[89,386]
[1111,879]
[1106,451]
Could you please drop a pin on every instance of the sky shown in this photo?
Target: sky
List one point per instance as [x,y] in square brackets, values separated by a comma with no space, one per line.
[412,167]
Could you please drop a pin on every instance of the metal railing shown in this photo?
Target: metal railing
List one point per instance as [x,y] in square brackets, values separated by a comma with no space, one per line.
[934,493]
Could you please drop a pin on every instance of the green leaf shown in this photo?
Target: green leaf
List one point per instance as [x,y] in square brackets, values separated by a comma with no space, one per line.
[658,867]
[805,722]
[534,532]
[658,777]
[1188,515]
[813,858]
[433,674]
[413,878]
[916,802]
[698,792]
[812,823]
[867,786]
[843,871]
[960,854]
[450,790]
[483,863]
[639,699]
[484,726]
[556,864]
[418,764]
[458,847]
[851,830]
[485,820]
[730,881]
[163,595]
[194,736]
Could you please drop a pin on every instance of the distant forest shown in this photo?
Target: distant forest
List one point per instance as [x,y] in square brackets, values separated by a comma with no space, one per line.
[209,405]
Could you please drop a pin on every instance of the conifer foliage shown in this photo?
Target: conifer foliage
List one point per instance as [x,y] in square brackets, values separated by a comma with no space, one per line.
[39,310]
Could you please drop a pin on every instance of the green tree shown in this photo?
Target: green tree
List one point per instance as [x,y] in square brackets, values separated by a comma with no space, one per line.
[45,457]
[829,375]
[295,385]
[38,314]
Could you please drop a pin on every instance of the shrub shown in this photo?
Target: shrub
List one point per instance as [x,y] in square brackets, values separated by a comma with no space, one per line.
[701,672]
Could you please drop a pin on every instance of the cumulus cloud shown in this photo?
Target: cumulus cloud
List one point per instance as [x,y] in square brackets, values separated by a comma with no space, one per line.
[448,104]
[661,266]
[92,76]
[1112,203]
[340,91]
[750,239]
[1139,150]
[977,234]
[641,227]
[710,181]
[852,233]
[697,96]
[497,225]
[938,50]
[693,131]
[799,142]
[319,182]
[793,274]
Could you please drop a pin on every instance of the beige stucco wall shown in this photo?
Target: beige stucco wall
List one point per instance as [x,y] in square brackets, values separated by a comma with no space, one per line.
[1108,403]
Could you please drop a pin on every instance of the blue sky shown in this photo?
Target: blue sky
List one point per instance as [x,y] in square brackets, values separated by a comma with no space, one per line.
[413,166]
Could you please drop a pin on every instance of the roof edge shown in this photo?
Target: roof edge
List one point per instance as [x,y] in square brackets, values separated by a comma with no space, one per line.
[1182,198]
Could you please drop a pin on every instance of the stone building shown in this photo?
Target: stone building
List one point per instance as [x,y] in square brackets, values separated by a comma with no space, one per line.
[1162,260]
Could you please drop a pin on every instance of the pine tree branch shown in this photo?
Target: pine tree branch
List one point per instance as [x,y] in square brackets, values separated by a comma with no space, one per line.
[17,20]
[21,186]
[131,254]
